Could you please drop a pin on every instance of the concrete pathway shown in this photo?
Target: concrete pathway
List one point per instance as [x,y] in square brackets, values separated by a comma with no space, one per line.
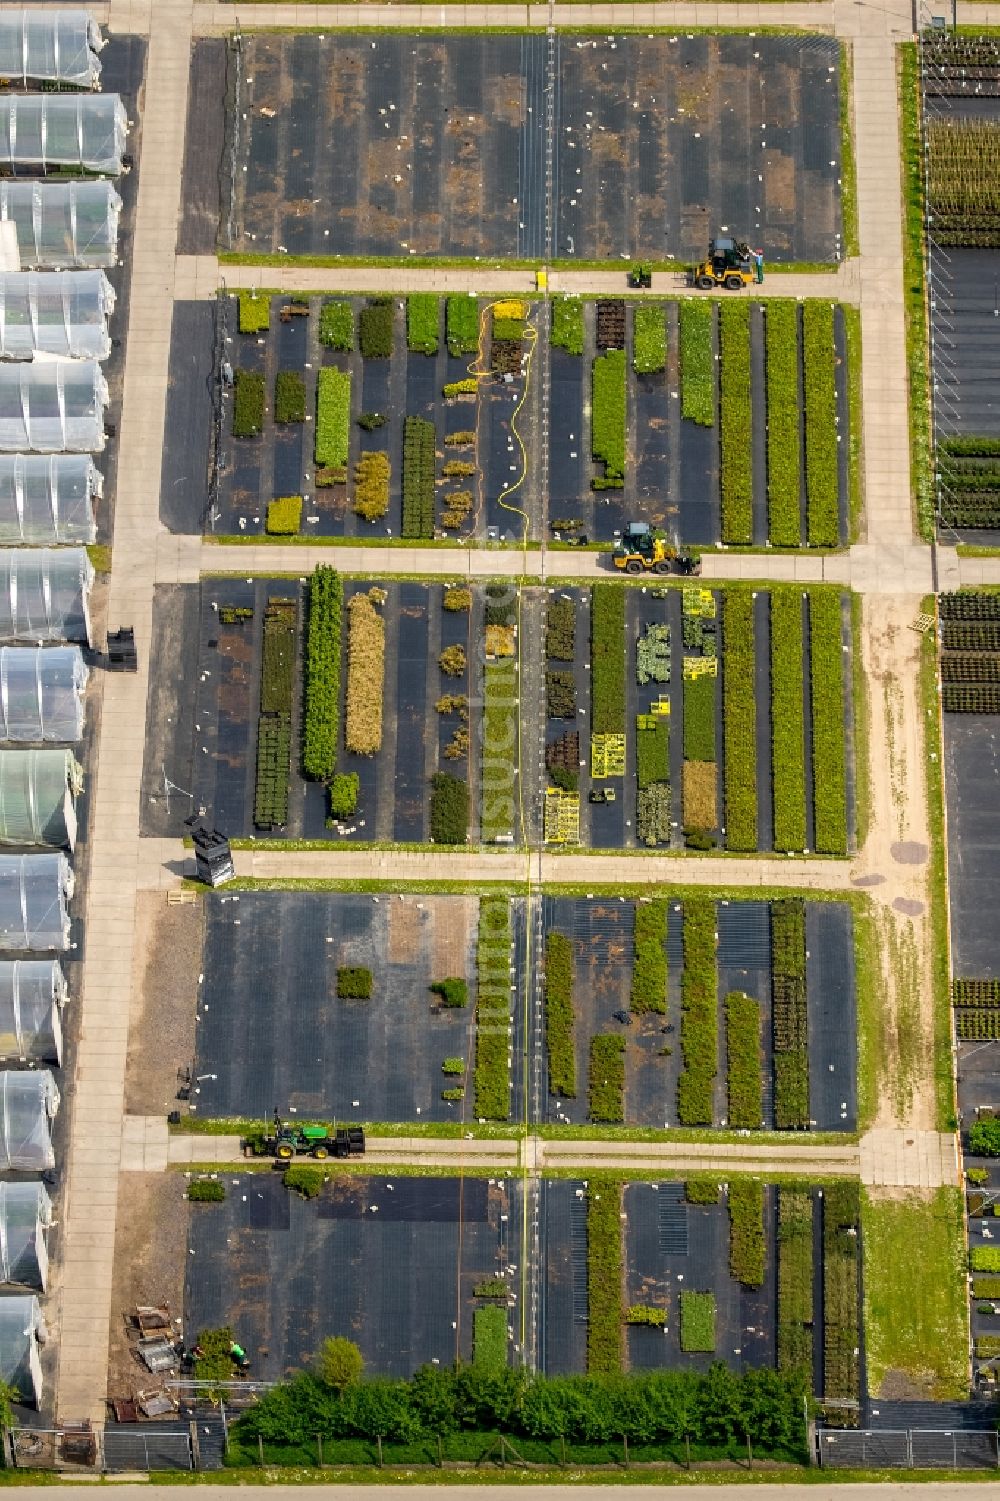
[220,16]
[90,1200]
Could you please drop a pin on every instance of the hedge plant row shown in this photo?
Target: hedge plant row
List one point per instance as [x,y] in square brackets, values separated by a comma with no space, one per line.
[781,345]
[560,1016]
[449,809]
[744,1072]
[489,1339]
[841,1243]
[248,403]
[649,958]
[333,417]
[607,418]
[829,752]
[375,329]
[499,762]
[255,311]
[789,1014]
[418,477]
[819,362]
[567,324]
[699,718]
[274,725]
[697,360]
[423,318]
[652,752]
[747,1246]
[788,746]
[739,723]
[607,659]
[604,1279]
[607,1078]
[795,1284]
[699,1015]
[289,397]
[321,674]
[735,424]
[371,485]
[462,325]
[560,629]
[336,325]
[492,1077]
[365,674]
[649,338]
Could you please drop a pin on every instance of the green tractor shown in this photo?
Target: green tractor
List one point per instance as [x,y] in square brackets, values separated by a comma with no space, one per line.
[291,1140]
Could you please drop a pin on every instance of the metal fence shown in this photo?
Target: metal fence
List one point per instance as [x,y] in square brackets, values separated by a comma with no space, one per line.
[908,1449]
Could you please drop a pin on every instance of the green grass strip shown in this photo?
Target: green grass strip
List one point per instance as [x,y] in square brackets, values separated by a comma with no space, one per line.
[697,362]
[735,425]
[739,722]
[788,754]
[567,324]
[699,1015]
[423,317]
[605,1311]
[781,328]
[560,1016]
[607,659]
[819,359]
[829,750]
[489,1340]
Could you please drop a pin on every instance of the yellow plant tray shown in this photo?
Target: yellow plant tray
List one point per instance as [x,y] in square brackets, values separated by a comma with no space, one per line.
[700,667]
[562,816]
[607,755]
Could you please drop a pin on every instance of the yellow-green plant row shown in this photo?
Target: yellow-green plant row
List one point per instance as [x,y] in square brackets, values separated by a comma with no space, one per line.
[365,674]
[735,425]
[739,721]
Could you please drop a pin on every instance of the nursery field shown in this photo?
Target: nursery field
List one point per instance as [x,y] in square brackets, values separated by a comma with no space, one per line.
[441,145]
[699,1013]
[391,1263]
[697,717]
[323,1004]
[358,417]
[672,1275]
[340,709]
[715,421]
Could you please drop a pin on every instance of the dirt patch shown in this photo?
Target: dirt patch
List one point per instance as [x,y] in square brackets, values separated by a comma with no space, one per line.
[168,958]
[150,1263]
[405,924]
[451,943]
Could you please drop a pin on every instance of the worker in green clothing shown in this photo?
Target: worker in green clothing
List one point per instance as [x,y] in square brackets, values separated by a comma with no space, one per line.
[238,1353]
[758,266]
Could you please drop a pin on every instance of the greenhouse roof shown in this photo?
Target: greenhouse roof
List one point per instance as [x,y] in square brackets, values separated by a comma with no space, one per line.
[52,406]
[44,593]
[63,313]
[37,797]
[25,1215]
[32,993]
[41,694]
[28,1101]
[62,224]
[47,498]
[50,46]
[21,1329]
[34,903]
[63,130]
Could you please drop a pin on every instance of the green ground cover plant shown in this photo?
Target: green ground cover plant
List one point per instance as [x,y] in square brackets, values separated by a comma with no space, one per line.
[499,748]
[255,312]
[699,718]
[489,1339]
[365,674]
[418,477]
[745,1079]
[653,813]
[354,983]
[560,629]
[642,1314]
[560,1016]
[492,1077]
[652,753]
[567,324]
[274,725]
[605,1339]
[699,1014]
[206,1191]
[697,1322]
[306,1179]
[841,1252]
[454,991]
[829,751]
[819,359]
[781,329]
[344,787]
[608,418]
[788,756]
[284,516]
[747,1246]
[607,659]
[321,674]
[274,747]
[371,485]
[493,1287]
[739,721]
[289,397]
[449,809]
[607,1078]
[789,1014]
[701,1191]
[735,425]
[462,325]
[649,958]
[560,695]
[423,319]
[375,329]
[649,338]
[795,1284]
[333,417]
[248,404]
[336,326]
[697,361]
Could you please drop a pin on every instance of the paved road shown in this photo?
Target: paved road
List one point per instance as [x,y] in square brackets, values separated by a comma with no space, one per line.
[460,1488]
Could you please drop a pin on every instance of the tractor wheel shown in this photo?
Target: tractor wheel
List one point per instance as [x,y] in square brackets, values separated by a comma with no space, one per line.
[284,1152]
[734,283]
[706,283]
[633,567]
[661,567]
[321,1151]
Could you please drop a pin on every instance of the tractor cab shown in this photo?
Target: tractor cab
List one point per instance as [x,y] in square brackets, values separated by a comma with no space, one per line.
[641,549]
[731,264]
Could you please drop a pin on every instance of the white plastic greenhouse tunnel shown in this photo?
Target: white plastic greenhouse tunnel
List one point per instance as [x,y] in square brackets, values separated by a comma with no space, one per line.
[63,313]
[52,406]
[39,131]
[29,1101]
[32,995]
[48,499]
[22,1330]
[62,225]
[35,892]
[55,46]
[38,792]
[25,1215]
[44,594]
[41,694]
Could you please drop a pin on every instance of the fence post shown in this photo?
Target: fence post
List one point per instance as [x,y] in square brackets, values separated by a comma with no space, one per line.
[687,1451]
[562,1447]
[260,1450]
[440,1453]
[625,1449]
[195,1448]
[378,1441]
[319,1448]
[909,1448]
[749,1454]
